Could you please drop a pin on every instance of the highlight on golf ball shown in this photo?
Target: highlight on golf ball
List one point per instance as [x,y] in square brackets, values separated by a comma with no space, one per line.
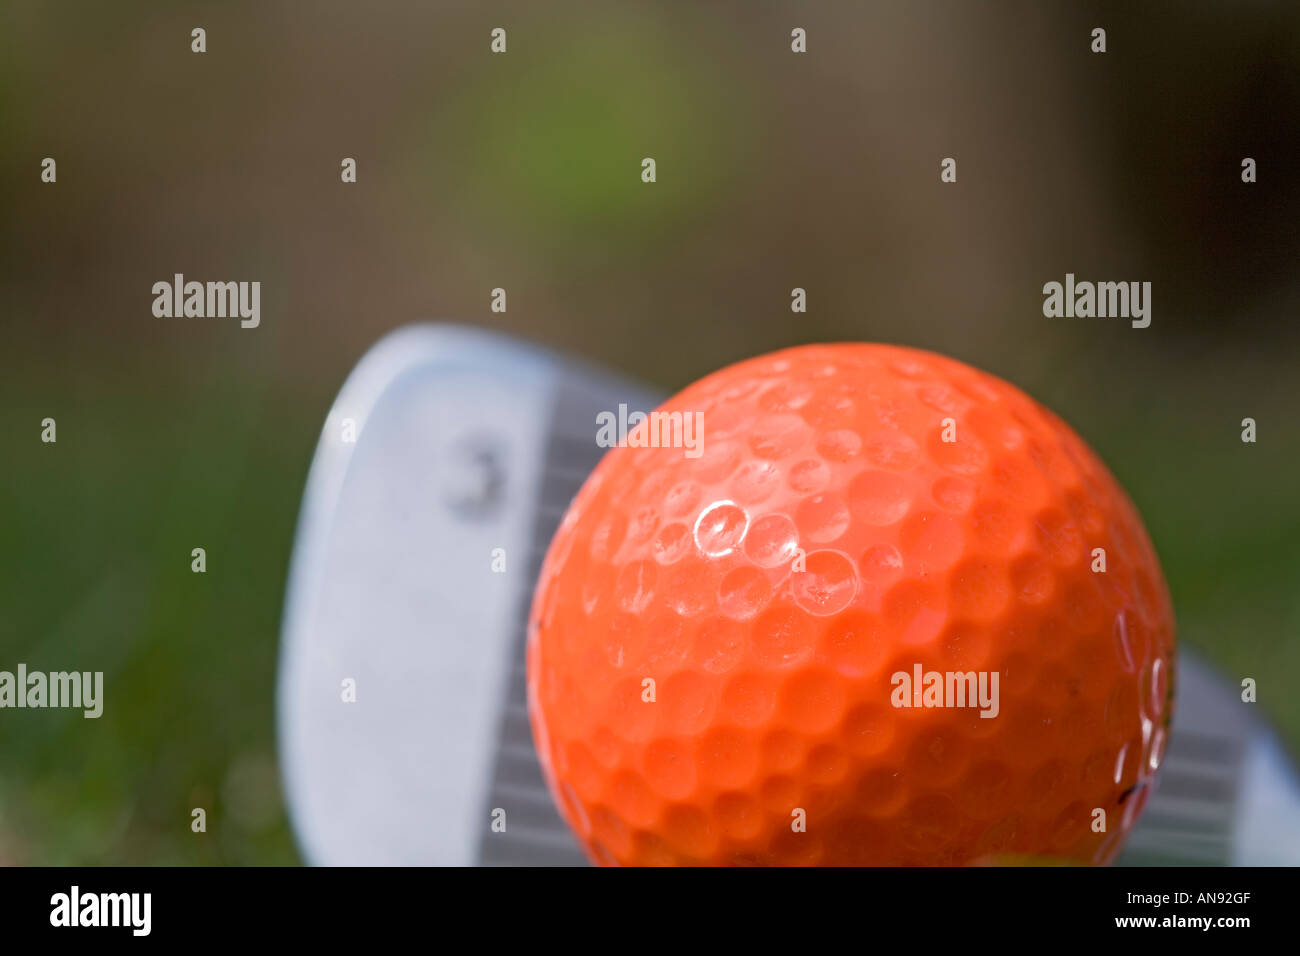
[851,604]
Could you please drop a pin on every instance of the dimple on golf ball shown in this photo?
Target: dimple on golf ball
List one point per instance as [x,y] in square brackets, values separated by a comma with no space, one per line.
[881,609]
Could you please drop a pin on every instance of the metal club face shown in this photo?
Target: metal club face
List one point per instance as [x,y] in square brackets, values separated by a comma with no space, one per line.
[446,444]
[463,443]
[1227,793]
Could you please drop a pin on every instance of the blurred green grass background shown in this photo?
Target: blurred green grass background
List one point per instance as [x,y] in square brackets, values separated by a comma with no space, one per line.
[522,171]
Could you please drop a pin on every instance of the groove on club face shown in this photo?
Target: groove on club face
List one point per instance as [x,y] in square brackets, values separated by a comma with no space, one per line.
[542,838]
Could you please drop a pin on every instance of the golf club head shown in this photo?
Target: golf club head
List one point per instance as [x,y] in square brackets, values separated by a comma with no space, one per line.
[464,442]
[1228,793]
[442,471]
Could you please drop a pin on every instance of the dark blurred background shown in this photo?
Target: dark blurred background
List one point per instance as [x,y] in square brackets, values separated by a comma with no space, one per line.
[522,171]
